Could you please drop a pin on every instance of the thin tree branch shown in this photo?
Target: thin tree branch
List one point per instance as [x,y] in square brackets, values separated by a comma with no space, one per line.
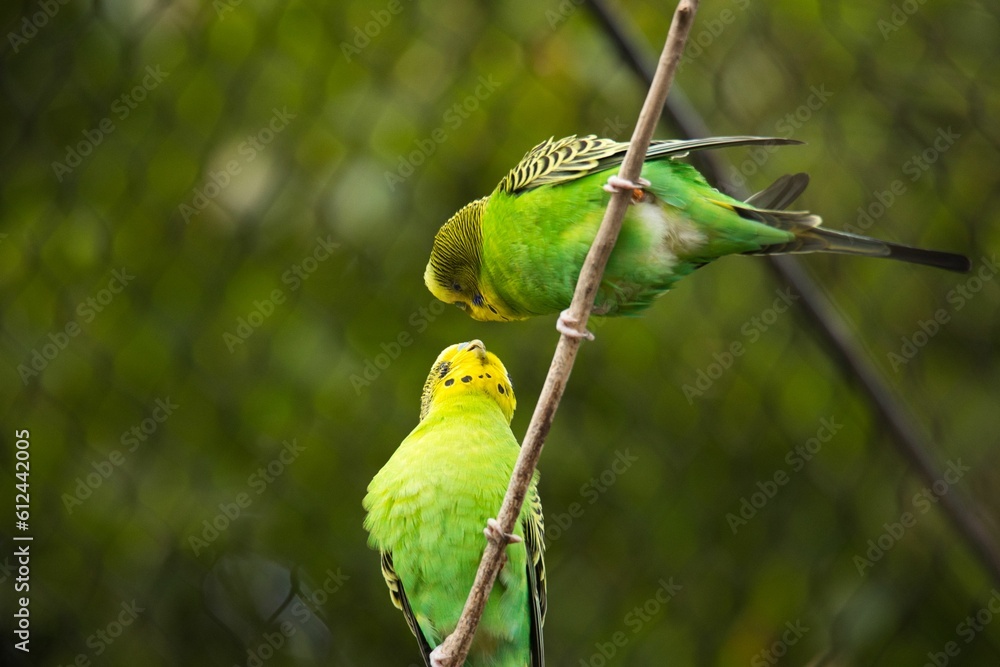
[910,442]
[456,646]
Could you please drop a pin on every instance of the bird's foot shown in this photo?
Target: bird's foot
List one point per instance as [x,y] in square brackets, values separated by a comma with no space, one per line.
[618,184]
[493,533]
[570,326]
[437,659]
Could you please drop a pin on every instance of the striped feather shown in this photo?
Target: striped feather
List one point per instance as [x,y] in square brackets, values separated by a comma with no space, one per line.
[562,160]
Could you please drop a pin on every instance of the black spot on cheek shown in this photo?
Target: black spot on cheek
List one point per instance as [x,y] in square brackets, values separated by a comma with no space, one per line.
[449,382]
[493,310]
[489,376]
[467,379]
[501,389]
[480,377]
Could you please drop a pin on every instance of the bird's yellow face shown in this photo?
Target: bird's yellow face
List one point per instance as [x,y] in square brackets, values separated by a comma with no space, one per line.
[466,293]
[464,368]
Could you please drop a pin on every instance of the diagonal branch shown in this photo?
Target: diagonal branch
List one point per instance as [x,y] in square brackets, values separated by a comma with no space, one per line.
[910,442]
[456,646]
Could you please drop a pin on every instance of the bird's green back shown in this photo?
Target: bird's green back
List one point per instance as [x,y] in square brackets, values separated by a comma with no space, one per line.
[535,242]
[518,252]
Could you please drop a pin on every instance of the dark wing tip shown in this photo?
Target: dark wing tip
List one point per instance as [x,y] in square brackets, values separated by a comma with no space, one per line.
[399,599]
[783,141]
[956,263]
[948,261]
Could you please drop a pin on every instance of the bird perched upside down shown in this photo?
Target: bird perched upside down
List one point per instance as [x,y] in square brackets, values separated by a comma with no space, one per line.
[518,252]
[431,503]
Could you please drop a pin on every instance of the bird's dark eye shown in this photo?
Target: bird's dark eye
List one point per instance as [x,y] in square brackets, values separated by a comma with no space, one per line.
[477,300]
[456,287]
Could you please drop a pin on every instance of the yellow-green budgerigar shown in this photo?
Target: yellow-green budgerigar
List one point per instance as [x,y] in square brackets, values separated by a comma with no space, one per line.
[430,505]
[518,252]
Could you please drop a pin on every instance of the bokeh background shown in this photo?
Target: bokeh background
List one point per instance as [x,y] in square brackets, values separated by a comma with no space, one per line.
[215,218]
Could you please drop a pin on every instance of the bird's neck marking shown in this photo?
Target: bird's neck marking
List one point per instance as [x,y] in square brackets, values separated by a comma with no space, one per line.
[472,391]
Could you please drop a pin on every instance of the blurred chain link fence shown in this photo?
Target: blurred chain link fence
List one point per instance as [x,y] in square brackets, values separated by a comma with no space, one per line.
[213,325]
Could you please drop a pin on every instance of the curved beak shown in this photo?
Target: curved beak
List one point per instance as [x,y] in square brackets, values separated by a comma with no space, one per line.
[476,346]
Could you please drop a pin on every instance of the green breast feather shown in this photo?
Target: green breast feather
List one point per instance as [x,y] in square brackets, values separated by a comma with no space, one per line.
[427,507]
[535,242]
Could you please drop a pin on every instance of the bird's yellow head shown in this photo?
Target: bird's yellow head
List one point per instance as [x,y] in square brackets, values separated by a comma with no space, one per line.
[466,368]
[453,272]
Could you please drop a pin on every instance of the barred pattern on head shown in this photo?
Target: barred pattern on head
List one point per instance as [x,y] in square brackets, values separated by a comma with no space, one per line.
[458,247]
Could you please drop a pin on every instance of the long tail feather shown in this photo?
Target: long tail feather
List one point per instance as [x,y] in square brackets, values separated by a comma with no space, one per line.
[766,205]
[817,239]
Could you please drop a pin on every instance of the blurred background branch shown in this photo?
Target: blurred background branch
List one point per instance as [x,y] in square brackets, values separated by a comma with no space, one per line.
[908,438]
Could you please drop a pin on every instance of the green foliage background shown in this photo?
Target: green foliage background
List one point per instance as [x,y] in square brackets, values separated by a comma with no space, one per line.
[362,105]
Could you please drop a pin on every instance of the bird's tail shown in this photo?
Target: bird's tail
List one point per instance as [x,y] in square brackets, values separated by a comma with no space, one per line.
[817,239]
[766,206]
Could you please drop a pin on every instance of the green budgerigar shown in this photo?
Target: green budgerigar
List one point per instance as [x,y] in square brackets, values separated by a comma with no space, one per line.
[518,252]
[430,505]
